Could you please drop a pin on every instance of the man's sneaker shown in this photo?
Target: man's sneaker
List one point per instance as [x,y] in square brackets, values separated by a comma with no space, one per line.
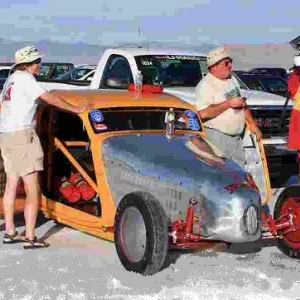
[13,238]
[86,192]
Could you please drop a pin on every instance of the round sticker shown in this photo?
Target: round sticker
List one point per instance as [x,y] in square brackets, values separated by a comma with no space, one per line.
[190,114]
[96,116]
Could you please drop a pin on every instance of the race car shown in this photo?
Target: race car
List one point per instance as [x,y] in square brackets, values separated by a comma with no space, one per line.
[137,169]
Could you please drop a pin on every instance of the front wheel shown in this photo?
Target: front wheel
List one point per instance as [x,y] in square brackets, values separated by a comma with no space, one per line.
[289,202]
[141,233]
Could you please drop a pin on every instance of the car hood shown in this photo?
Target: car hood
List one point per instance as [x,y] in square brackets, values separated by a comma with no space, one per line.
[173,162]
[255,98]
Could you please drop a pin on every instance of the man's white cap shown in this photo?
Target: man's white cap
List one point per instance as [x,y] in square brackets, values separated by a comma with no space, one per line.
[27,54]
[216,55]
[297,60]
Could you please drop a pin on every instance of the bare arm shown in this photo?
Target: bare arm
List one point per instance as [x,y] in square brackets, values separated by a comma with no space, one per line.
[248,116]
[252,124]
[214,110]
[60,103]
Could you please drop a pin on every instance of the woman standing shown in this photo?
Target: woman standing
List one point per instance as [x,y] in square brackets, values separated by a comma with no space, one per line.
[20,146]
[294,93]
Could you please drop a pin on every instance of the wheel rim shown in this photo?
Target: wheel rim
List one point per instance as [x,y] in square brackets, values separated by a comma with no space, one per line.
[133,234]
[292,205]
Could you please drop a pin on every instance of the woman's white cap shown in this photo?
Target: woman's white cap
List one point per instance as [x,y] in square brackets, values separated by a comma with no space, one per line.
[27,54]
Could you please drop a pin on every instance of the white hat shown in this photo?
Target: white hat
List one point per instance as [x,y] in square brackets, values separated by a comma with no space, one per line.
[297,61]
[216,55]
[27,55]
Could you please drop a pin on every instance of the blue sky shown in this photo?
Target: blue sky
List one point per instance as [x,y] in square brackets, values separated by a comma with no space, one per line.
[109,22]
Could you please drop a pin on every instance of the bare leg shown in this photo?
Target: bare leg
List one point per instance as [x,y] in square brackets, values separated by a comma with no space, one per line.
[9,202]
[31,186]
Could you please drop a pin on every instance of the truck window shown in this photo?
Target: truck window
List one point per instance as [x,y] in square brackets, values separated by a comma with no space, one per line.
[117,67]
[170,70]
[4,73]
[203,67]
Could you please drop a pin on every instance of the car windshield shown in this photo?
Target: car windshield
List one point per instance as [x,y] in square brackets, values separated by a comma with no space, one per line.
[253,83]
[50,71]
[74,74]
[44,71]
[170,70]
[241,83]
[274,85]
[267,84]
[142,118]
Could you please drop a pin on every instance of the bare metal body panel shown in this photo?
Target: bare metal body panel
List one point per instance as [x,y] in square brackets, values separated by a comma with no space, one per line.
[174,173]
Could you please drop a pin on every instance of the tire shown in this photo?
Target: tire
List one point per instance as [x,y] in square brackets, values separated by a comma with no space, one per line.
[289,199]
[141,233]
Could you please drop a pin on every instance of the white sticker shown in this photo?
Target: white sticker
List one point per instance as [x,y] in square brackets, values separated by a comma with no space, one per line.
[190,57]
[147,63]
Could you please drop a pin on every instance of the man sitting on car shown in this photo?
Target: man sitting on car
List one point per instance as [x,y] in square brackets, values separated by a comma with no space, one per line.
[221,107]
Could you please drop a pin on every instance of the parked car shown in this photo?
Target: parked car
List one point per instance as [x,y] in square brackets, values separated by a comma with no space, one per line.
[278,72]
[2,81]
[51,70]
[80,73]
[4,70]
[264,82]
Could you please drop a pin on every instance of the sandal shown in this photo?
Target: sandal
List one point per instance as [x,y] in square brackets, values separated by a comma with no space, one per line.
[12,238]
[35,243]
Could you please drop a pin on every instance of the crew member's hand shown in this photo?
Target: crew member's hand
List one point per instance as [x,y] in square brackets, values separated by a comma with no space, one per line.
[237,103]
[254,129]
[83,107]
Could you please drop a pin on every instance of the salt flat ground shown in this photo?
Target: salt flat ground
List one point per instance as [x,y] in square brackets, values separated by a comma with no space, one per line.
[80,266]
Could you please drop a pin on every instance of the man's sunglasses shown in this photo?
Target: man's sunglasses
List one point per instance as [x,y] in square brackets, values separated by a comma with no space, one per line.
[226,62]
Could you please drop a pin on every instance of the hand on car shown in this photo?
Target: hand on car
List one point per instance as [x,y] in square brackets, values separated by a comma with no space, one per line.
[237,103]
[83,107]
[254,129]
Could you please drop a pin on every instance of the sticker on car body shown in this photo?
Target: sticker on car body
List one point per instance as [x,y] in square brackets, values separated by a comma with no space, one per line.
[96,116]
[190,113]
[100,126]
[193,122]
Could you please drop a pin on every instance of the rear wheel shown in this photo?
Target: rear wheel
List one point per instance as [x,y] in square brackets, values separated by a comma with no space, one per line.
[289,202]
[141,233]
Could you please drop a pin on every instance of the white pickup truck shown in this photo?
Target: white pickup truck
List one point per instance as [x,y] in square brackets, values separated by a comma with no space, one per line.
[179,71]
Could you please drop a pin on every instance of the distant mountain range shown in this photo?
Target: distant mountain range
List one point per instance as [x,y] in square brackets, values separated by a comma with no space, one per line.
[245,56]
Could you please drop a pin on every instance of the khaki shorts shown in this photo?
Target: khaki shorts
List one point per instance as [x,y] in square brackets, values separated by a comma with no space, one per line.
[22,152]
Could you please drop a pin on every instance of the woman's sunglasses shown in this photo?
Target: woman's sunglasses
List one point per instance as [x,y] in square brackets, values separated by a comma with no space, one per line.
[37,61]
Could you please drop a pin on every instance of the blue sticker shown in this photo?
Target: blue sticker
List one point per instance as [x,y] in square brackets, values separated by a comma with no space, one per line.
[190,114]
[96,116]
[194,124]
